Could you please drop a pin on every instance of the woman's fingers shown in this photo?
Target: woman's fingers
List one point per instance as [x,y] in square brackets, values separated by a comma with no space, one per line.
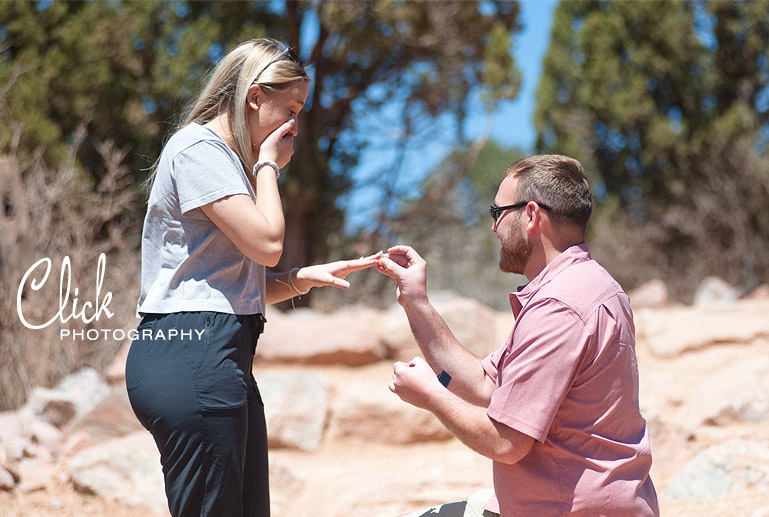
[362,263]
[339,282]
[279,145]
[286,127]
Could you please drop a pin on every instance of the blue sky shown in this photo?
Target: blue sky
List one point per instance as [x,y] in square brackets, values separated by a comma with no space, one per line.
[510,124]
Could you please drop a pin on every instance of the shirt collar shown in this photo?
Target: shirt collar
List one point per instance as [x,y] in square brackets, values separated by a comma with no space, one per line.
[570,256]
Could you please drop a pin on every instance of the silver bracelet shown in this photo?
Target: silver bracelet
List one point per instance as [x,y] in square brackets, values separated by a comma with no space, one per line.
[259,165]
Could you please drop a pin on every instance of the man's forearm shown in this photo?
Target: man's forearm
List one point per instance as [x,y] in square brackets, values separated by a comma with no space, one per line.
[443,352]
[474,428]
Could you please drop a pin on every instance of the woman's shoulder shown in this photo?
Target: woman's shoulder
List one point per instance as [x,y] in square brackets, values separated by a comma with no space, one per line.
[191,135]
[199,152]
[192,144]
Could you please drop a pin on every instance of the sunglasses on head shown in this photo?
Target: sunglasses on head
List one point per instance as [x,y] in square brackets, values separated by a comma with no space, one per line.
[287,52]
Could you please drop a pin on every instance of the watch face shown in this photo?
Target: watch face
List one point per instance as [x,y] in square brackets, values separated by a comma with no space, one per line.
[444,378]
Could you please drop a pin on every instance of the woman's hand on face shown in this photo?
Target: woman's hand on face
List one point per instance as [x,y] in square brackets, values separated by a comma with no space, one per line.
[279,145]
[333,273]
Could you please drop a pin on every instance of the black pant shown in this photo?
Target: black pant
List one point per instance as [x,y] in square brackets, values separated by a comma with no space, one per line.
[189,381]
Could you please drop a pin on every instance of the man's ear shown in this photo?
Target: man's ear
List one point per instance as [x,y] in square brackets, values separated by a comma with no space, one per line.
[254,97]
[533,218]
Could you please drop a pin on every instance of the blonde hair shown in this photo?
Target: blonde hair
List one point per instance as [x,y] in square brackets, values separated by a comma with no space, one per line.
[264,61]
[256,61]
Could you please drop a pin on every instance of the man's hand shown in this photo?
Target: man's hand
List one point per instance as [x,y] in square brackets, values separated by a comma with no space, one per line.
[415,382]
[409,270]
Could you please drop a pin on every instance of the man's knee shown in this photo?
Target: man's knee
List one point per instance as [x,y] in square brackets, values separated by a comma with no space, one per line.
[472,507]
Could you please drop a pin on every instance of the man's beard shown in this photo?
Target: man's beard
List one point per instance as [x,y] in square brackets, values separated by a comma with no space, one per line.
[515,252]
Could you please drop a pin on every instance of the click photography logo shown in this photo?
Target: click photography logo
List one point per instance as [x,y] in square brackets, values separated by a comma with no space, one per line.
[77,318]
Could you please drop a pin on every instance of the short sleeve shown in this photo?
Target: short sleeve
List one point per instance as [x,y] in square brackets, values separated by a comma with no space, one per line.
[205,172]
[535,374]
[490,362]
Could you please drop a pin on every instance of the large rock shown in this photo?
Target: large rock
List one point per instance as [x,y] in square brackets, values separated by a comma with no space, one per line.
[760,292]
[7,479]
[284,487]
[720,470]
[295,406]
[10,426]
[9,474]
[125,469]
[350,336]
[51,406]
[370,479]
[473,324]
[653,293]
[660,392]
[110,418]
[48,437]
[676,330]
[737,392]
[86,388]
[115,372]
[366,411]
[34,474]
[48,413]
[713,289]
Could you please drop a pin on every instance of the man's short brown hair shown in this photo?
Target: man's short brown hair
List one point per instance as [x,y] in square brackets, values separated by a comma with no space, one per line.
[558,182]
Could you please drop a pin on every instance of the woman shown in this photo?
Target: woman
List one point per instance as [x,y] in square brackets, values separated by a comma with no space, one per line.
[214,222]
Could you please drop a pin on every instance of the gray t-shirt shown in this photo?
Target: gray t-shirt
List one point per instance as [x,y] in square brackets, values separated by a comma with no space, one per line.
[188,263]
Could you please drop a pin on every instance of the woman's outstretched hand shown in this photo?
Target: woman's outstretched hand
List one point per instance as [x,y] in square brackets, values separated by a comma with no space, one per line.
[333,273]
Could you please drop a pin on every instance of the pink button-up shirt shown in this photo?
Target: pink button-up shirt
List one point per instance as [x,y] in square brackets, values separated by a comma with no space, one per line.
[567,376]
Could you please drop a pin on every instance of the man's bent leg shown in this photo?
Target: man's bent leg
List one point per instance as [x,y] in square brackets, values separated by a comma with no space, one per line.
[472,507]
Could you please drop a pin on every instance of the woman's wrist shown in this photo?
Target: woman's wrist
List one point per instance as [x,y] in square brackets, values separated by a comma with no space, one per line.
[266,164]
[299,283]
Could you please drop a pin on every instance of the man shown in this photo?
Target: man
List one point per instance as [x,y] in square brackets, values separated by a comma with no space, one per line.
[556,407]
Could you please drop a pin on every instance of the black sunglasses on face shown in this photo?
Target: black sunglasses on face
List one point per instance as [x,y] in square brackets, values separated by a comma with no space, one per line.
[496,211]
